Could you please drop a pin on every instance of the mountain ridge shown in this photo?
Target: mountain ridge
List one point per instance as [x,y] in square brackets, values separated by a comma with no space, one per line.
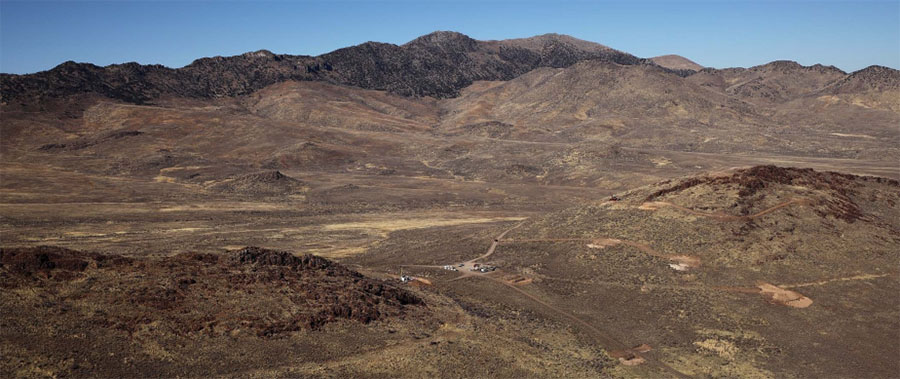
[438,64]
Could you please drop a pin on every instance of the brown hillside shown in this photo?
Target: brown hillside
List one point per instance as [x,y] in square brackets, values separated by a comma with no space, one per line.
[772,83]
[676,62]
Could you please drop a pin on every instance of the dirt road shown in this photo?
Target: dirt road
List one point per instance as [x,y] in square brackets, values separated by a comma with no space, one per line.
[496,242]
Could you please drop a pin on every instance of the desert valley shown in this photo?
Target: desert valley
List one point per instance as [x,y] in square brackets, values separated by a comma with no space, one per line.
[450,207]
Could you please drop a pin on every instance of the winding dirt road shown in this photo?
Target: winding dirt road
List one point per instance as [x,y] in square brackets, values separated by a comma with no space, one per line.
[494,244]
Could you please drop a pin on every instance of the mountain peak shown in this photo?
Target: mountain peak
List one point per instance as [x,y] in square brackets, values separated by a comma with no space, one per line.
[790,66]
[258,54]
[876,70]
[440,37]
[874,77]
[71,65]
[676,62]
[540,41]
[782,64]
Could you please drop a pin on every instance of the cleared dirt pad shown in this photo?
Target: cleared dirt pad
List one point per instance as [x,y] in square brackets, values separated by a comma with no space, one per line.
[631,357]
[784,296]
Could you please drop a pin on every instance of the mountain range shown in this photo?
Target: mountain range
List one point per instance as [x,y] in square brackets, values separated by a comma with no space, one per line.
[439,64]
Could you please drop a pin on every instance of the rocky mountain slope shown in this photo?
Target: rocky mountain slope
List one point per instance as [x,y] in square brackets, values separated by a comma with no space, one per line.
[766,108]
[438,64]
[771,83]
[577,123]
[589,91]
[549,88]
[872,78]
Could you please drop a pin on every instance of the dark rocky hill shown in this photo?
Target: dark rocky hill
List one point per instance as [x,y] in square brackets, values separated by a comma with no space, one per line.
[306,291]
[872,78]
[438,64]
[261,183]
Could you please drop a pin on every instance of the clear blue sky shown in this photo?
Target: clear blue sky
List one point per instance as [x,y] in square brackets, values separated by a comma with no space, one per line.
[36,36]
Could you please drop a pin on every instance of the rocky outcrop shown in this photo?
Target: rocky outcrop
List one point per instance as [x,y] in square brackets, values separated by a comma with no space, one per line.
[266,291]
[261,183]
[830,193]
[872,78]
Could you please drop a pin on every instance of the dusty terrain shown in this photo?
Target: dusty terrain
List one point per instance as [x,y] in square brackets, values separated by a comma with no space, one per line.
[126,211]
[718,276]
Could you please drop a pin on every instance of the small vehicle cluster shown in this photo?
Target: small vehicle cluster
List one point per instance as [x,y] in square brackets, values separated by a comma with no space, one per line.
[484,268]
[477,267]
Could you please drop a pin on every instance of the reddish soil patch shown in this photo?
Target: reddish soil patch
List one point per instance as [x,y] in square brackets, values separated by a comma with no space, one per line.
[517,280]
[784,296]
[420,282]
[684,262]
[631,357]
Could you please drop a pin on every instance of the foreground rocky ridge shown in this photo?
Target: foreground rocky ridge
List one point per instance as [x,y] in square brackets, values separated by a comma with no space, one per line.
[149,306]
[210,293]
[249,312]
